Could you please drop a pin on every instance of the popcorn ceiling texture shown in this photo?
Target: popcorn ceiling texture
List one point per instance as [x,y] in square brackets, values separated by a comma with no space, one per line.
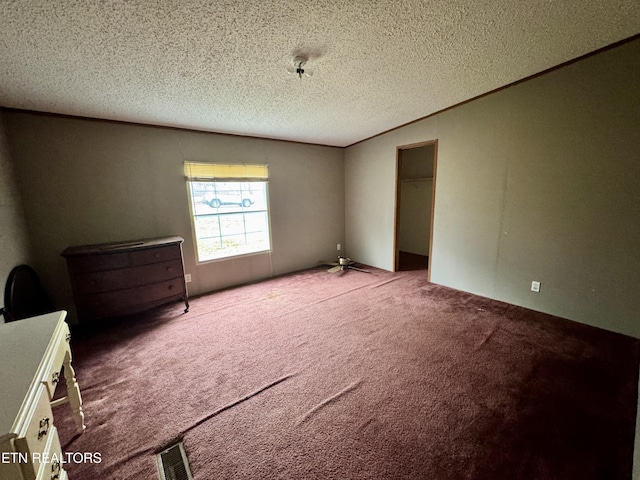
[221,66]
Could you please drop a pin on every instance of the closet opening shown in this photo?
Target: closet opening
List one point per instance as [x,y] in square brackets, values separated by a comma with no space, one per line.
[415,195]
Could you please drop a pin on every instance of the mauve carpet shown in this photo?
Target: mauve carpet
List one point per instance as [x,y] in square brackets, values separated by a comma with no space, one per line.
[355,376]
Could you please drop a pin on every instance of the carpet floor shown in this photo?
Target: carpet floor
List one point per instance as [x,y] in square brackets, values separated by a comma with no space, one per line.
[354,376]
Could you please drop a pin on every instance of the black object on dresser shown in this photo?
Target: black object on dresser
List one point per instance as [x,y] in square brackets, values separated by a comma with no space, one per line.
[113,279]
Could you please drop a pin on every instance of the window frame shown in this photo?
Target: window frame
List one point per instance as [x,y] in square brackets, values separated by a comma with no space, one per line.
[255,173]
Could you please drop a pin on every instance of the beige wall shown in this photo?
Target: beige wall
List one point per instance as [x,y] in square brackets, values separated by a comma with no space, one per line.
[539,181]
[90,181]
[13,230]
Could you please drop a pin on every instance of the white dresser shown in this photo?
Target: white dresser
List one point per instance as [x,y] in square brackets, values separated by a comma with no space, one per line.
[32,353]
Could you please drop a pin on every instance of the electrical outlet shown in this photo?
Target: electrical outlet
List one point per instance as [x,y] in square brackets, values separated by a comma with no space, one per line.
[535,286]
[187,277]
[339,247]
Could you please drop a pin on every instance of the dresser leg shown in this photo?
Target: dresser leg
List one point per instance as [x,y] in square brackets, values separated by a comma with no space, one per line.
[186,305]
[73,393]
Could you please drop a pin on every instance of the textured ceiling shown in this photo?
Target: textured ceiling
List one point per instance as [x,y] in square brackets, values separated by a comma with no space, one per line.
[221,65]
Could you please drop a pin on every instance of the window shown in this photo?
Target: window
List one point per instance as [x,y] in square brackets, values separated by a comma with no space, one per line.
[229,206]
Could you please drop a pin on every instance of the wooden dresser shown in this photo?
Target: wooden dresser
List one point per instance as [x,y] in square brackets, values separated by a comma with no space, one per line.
[32,352]
[113,279]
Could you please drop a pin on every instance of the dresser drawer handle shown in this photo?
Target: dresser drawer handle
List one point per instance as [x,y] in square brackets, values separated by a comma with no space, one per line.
[169,269]
[55,377]
[43,428]
[170,287]
[157,255]
[55,470]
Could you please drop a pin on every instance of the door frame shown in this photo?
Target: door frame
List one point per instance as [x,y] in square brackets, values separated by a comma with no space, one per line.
[396,219]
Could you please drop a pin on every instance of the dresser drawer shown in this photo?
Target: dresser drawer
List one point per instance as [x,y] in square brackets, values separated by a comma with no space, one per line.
[53,375]
[126,278]
[39,440]
[117,302]
[98,263]
[115,260]
[155,255]
[51,466]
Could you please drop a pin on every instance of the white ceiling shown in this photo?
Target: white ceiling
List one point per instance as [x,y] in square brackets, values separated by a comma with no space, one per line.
[221,65]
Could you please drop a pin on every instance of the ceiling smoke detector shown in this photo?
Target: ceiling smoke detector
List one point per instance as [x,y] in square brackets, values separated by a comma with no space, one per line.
[298,67]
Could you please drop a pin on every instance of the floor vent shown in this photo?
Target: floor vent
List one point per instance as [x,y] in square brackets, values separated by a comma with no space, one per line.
[172,463]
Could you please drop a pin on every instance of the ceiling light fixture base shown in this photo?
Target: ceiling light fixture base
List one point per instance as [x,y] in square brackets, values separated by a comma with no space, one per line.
[298,67]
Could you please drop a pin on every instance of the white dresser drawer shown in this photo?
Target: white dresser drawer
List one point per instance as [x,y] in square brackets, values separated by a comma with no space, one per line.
[39,439]
[52,370]
[51,466]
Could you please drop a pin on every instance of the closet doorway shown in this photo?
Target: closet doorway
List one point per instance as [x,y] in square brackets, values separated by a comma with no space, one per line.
[415,195]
